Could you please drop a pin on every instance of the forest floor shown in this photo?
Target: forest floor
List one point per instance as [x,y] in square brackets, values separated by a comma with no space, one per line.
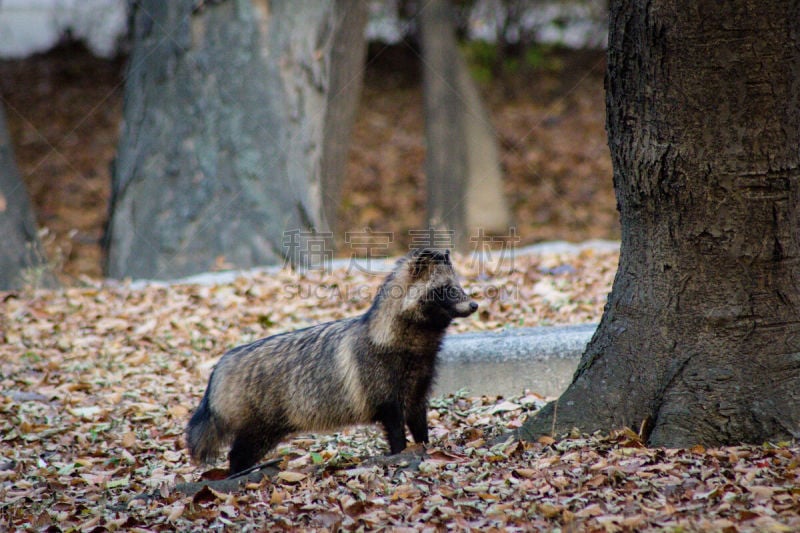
[97,384]
[64,110]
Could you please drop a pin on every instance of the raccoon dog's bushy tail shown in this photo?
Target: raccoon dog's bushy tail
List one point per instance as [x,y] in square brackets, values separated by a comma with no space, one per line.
[204,436]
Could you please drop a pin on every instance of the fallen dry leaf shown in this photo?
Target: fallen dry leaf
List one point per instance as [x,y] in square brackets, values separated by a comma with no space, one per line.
[292,477]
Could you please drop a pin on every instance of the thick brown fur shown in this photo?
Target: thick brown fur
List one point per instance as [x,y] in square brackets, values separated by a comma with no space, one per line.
[377,367]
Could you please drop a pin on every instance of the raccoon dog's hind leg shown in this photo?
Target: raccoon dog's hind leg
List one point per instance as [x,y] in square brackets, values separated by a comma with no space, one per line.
[253,442]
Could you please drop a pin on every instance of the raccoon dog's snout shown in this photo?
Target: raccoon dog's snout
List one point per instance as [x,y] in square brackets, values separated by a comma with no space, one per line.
[454,300]
[463,309]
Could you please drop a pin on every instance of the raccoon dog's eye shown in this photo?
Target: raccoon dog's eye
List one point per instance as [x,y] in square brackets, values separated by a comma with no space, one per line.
[444,295]
[435,295]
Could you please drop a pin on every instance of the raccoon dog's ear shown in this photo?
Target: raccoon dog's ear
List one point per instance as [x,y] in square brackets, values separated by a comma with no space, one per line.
[421,260]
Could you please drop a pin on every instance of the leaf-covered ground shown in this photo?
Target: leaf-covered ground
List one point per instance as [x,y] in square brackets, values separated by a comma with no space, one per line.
[97,383]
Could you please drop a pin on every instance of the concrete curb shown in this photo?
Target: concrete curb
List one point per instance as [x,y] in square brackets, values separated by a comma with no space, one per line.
[506,363]
[540,343]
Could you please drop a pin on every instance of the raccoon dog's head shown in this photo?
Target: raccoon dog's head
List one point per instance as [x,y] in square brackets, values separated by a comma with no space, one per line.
[433,294]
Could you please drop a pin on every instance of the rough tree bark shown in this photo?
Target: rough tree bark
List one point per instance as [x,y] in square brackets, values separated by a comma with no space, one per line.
[700,339]
[462,166]
[222,147]
[22,260]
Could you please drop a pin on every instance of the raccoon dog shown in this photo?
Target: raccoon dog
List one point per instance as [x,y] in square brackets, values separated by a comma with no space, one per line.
[377,367]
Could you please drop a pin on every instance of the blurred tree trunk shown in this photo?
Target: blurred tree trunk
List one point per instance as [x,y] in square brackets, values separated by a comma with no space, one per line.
[22,260]
[700,339]
[461,163]
[223,146]
[347,56]
[486,206]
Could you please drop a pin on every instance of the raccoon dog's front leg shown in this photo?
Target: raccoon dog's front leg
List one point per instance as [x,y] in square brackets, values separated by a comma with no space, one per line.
[390,414]
[417,419]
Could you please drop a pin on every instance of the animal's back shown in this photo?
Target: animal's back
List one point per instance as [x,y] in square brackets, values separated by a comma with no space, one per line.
[313,365]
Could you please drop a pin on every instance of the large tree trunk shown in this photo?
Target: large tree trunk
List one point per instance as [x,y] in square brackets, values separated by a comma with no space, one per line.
[462,166]
[22,260]
[700,340]
[222,148]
